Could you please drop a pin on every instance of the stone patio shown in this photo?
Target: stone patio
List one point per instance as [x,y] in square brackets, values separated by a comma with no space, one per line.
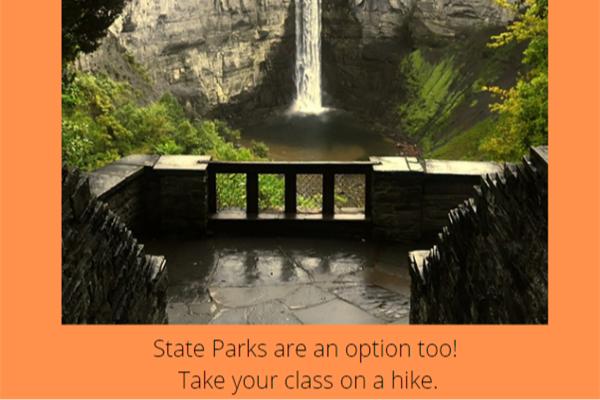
[234,280]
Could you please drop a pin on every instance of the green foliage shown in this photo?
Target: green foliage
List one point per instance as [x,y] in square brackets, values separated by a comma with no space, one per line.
[271,194]
[443,88]
[231,191]
[85,23]
[524,107]
[259,149]
[430,99]
[102,122]
[465,145]
[310,202]
[226,132]
[137,67]
[168,148]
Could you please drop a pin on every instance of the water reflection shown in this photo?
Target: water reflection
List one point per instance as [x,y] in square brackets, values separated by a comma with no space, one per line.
[334,136]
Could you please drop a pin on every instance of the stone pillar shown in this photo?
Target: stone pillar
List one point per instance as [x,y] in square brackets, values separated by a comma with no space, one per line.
[122,185]
[397,198]
[183,194]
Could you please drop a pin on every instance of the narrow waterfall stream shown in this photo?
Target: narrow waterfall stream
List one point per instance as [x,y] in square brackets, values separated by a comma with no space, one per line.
[308,131]
[308,98]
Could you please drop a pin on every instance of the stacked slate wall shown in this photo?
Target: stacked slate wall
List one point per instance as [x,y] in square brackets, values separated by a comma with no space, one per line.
[125,186]
[106,277]
[490,264]
[441,193]
[180,182]
[411,197]
[397,198]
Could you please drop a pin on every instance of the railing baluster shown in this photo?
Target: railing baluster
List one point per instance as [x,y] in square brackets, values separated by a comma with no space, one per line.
[212,191]
[252,193]
[290,170]
[328,193]
[290,193]
[368,194]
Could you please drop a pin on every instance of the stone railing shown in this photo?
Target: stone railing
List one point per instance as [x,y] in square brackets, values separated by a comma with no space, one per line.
[412,198]
[490,264]
[404,198]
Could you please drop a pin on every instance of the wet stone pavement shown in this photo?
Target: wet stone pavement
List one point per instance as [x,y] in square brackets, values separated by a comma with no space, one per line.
[267,281]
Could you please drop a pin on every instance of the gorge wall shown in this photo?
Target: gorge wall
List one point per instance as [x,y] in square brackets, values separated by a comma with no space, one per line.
[223,57]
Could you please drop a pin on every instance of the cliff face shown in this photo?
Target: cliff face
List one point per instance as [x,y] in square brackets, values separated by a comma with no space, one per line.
[364,42]
[386,18]
[219,53]
[448,18]
[207,53]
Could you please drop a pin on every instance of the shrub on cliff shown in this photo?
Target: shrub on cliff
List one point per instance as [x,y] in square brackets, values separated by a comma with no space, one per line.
[85,23]
[102,122]
[524,107]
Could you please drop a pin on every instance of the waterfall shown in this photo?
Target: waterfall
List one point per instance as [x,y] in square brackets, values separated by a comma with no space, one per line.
[308,58]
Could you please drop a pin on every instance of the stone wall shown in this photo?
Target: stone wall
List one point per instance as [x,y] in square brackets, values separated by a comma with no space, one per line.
[183,194]
[411,197]
[155,194]
[490,264]
[397,198]
[123,185]
[446,184]
[106,277]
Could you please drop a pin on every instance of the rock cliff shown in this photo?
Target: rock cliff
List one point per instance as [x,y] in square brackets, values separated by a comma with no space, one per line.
[222,53]
[207,53]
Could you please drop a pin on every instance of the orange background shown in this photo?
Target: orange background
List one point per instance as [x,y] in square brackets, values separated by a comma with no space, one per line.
[41,358]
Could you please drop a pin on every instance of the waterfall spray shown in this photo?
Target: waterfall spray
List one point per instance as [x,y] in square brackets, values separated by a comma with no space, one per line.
[308,58]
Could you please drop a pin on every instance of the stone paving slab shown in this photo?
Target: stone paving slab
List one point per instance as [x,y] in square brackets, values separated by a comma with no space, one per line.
[402,321]
[249,296]
[272,313]
[193,292]
[379,302]
[269,281]
[307,296]
[391,164]
[255,268]
[230,316]
[461,167]
[107,178]
[188,260]
[336,312]
[203,310]
[139,159]
[182,163]
[395,283]
[183,314]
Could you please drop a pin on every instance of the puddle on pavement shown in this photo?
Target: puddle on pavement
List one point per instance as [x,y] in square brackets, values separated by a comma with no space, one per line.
[286,281]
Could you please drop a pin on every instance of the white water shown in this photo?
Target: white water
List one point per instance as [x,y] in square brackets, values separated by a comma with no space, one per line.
[308,58]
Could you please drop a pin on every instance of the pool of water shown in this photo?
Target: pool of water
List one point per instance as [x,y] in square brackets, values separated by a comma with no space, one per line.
[332,136]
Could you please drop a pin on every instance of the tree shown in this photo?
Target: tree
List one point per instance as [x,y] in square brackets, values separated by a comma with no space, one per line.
[85,23]
[524,108]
